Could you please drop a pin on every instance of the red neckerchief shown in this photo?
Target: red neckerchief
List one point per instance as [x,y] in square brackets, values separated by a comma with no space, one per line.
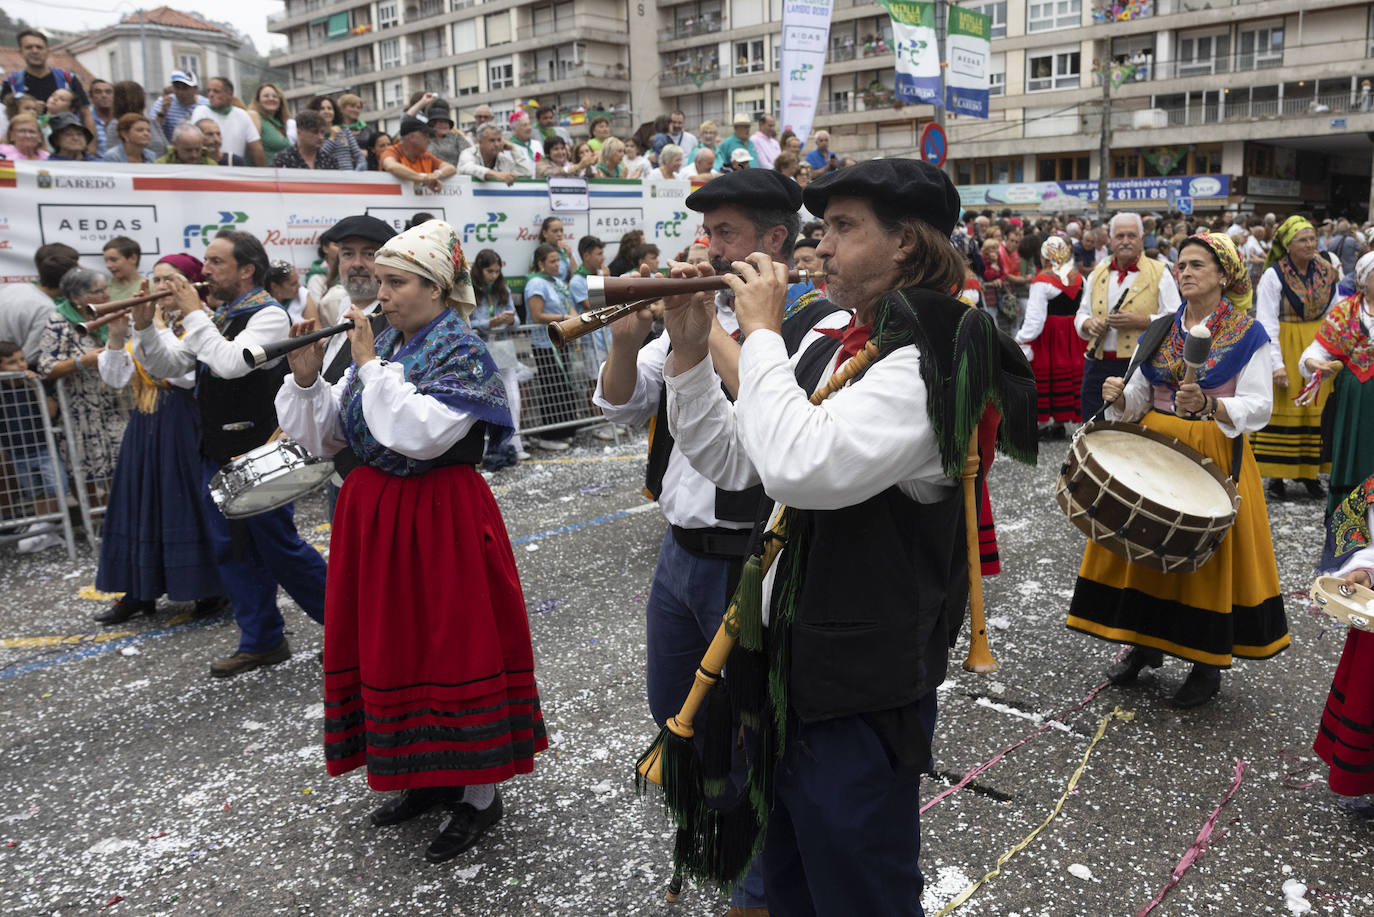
[852,338]
[1121,272]
[1068,289]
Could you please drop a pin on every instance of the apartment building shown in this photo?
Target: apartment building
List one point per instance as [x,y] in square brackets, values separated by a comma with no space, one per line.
[1270,95]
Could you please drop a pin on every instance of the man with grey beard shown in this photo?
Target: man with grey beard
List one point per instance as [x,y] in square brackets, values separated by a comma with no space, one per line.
[358,238]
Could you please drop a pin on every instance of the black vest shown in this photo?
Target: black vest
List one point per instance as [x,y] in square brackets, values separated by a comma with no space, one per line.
[237,415]
[1064,304]
[731,505]
[346,460]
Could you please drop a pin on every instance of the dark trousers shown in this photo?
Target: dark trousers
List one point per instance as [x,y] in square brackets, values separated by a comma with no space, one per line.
[1094,373]
[254,556]
[686,602]
[844,836]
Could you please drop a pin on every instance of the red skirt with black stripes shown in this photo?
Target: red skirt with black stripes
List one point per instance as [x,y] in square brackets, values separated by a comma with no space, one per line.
[1345,739]
[429,672]
[1058,366]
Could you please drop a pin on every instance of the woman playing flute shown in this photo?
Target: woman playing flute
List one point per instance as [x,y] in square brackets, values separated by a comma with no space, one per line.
[429,673]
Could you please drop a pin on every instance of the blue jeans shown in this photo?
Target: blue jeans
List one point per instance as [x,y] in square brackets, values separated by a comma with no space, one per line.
[36,473]
[259,553]
[686,603]
[844,836]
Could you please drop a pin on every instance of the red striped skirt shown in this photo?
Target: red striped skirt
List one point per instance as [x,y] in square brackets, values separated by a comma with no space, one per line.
[429,672]
[1058,366]
[1345,740]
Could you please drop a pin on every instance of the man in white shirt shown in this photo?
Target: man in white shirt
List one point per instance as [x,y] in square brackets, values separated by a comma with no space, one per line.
[492,158]
[677,133]
[703,165]
[237,415]
[238,135]
[701,553]
[869,586]
[1122,296]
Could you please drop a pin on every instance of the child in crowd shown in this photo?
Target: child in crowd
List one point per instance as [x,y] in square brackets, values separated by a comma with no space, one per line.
[29,482]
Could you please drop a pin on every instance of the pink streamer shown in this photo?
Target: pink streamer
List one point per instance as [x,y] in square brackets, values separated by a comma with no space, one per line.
[1199,846]
[969,777]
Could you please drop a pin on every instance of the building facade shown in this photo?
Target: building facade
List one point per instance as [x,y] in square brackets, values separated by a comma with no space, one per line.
[1272,95]
[147,46]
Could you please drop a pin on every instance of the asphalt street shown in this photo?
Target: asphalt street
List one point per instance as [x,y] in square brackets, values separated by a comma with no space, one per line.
[135,783]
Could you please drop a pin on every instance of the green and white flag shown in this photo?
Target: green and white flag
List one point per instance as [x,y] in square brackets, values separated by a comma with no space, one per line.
[967,47]
[918,55]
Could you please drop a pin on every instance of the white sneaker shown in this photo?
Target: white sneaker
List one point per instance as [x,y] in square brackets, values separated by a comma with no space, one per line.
[606,431]
[522,456]
[550,445]
[42,542]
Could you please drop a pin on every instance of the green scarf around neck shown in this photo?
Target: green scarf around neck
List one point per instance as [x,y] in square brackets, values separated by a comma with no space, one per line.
[68,310]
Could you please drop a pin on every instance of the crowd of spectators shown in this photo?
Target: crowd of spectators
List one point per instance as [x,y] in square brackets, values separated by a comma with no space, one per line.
[195,120]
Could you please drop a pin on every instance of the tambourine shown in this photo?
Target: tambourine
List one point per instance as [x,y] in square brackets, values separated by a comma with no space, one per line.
[1346,602]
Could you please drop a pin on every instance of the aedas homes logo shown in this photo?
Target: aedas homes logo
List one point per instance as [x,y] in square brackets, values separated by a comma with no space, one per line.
[483,232]
[204,232]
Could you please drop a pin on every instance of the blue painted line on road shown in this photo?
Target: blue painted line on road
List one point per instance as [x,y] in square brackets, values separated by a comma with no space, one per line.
[574,526]
[97,649]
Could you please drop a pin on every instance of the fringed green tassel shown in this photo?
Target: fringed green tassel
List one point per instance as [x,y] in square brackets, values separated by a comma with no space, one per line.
[718,741]
[746,674]
[747,605]
[683,795]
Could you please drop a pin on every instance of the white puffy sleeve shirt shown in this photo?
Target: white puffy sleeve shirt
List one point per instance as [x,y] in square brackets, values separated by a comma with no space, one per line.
[865,438]
[117,367]
[167,358]
[1249,408]
[401,418]
[1315,350]
[1037,308]
[1268,293]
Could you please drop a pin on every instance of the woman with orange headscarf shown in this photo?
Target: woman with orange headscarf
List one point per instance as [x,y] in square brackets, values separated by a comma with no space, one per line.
[1230,606]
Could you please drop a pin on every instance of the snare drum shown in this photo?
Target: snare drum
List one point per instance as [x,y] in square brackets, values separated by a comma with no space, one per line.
[1146,496]
[269,476]
[1346,602]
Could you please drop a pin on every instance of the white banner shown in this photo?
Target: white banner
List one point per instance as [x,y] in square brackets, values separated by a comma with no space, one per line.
[174,208]
[967,47]
[805,34]
[918,55]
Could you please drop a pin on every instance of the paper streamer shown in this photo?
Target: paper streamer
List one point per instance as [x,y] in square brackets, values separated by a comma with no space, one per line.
[1204,840]
[1309,391]
[959,899]
[973,773]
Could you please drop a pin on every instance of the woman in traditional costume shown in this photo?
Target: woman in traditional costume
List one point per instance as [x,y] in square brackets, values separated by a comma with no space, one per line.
[1048,338]
[1231,606]
[1345,341]
[155,540]
[1295,291]
[428,669]
[1345,740]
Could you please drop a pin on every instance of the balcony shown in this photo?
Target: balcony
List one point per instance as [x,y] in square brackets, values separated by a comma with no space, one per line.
[613,28]
[1215,111]
[577,71]
[691,28]
[420,55]
[688,74]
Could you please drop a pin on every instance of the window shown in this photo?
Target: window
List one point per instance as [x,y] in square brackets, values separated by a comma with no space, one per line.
[389,51]
[997,74]
[1127,165]
[388,16]
[498,29]
[997,11]
[1259,49]
[1054,70]
[392,92]
[1203,54]
[191,62]
[1062,168]
[465,36]
[1044,15]
[468,79]
[990,171]
[746,13]
[749,56]
[500,74]
[696,18]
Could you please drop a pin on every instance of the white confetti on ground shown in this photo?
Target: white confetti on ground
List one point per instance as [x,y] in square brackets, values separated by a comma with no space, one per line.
[1079,871]
[1295,897]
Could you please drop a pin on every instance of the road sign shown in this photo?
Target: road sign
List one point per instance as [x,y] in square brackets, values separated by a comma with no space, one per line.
[934,145]
[1184,205]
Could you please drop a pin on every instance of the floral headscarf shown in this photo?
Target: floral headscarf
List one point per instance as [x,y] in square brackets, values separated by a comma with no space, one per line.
[432,250]
[1363,269]
[1235,276]
[1058,257]
[1287,230]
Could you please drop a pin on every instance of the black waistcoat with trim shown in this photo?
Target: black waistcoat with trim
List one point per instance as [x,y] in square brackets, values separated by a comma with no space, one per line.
[237,415]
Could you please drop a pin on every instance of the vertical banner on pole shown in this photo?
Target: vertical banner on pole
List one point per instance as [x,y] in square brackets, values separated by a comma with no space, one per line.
[805,33]
[966,49]
[918,52]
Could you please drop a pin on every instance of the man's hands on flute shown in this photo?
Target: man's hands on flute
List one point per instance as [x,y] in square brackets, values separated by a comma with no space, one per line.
[688,319]
[760,293]
[305,362]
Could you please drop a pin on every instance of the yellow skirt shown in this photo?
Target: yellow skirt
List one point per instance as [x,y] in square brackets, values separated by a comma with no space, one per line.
[1291,446]
[1230,606]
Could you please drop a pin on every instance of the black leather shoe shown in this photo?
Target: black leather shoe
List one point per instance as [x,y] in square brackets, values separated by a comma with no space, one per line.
[123,610]
[1275,489]
[463,829]
[1201,685]
[1125,671]
[212,607]
[1314,488]
[407,804]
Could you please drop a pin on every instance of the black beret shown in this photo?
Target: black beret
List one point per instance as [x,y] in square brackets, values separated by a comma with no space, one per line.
[410,125]
[897,187]
[361,227]
[808,242]
[760,189]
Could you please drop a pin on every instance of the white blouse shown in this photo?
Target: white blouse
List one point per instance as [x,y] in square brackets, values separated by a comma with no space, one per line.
[117,367]
[1315,351]
[1249,408]
[1268,293]
[167,358]
[1037,310]
[398,415]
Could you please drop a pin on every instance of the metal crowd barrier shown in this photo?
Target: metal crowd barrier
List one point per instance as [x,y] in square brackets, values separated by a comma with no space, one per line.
[556,383]
[93,491]
[33,486]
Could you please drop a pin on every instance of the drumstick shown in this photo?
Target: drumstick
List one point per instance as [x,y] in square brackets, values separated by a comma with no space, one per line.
[1196,348]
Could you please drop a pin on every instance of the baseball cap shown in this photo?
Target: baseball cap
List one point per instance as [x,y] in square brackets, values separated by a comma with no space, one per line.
[741,155]
[184,76]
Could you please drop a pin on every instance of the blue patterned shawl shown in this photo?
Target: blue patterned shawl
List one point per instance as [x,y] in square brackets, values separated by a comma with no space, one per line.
[1235,339]
[445,360]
